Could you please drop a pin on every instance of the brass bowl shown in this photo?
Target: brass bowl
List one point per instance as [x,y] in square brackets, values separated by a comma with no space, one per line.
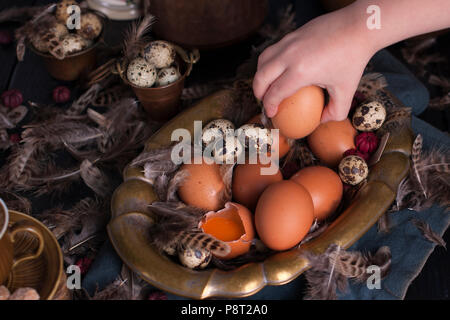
[161,103]
[131,219]
[74,65]
[46,273]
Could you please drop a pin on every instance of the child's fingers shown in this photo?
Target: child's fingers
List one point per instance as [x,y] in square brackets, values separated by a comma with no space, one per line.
[338,106]
[285,86]
[264,78]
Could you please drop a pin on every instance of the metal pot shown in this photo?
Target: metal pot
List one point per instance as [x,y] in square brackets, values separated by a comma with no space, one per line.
[207,23]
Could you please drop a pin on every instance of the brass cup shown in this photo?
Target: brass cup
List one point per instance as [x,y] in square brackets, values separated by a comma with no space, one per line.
[75,65]
[162,103]
[8,260]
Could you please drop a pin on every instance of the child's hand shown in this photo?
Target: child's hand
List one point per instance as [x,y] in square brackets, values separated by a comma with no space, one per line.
[332,50]
[325,52]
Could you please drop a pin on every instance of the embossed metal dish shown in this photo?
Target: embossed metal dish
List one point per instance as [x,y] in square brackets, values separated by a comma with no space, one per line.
[128,230]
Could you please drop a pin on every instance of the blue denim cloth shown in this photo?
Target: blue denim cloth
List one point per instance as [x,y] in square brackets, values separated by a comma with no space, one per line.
[409,249]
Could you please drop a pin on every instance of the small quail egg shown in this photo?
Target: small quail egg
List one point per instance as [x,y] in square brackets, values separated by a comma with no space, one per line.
[227,150]
[167,76]
[195,258]
[39,43]
[61,13]
[216,130]
[159,53]
[369,116]
[59,30]
[90,26]
[141,73]
[73,43]
[256,137]
[353,170]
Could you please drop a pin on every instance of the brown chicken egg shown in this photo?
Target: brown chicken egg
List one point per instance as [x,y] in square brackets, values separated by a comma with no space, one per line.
[249,183]
[324,186]
[331,139]
[283,145]
[284,214]
[203,187]
[232,225]
[300,114]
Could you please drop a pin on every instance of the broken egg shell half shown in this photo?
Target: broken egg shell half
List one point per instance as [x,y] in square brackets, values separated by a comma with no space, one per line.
[232,225]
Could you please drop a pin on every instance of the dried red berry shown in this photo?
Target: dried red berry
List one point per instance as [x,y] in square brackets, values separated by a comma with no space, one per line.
[5,37]
[358,98]
[14,138]
[367,142]
[157,295]
[354,152]
[12,98]
[84,264]
[61,94]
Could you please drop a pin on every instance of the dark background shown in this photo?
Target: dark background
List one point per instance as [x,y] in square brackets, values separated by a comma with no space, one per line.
[31,78]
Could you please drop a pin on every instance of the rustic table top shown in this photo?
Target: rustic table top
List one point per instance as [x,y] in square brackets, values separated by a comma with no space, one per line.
[31,78]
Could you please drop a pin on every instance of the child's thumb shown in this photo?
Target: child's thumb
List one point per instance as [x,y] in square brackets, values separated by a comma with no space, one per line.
[337,108]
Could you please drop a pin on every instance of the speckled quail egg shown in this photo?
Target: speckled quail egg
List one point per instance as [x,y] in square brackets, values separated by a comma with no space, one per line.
[195,258]
[256,137]
[216,130]
[90,26]
[72,43]
[227,150]
[141,73]
[369,116]
[167,76]
[159,53]
[61,13]
[353,170]
[41,42]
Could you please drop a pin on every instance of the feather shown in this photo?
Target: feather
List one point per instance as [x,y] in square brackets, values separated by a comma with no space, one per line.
[428,233]
[227,177]
[415,155]
[117,290]
[135,39]
[79,105]
[172,185]
[15,202]
[177,227]
[18,13]
[329,271]
[384,223]
[95,178]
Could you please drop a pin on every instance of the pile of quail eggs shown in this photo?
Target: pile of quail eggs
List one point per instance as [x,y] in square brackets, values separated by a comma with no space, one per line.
[155,67]
[71,40]
[225,145]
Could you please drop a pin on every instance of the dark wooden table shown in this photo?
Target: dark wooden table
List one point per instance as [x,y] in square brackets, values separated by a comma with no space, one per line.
[31,78]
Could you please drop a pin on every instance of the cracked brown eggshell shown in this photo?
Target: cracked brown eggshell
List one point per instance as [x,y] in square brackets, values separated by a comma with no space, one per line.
[353,170]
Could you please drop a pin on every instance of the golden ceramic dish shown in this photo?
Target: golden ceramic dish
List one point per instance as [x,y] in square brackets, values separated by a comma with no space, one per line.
[129,227]
[45,273]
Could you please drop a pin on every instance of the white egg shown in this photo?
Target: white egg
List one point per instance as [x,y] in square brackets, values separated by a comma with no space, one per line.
[141,73]
[369,116]
[159,53]
[195,258]
[353,170]
[167,76]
